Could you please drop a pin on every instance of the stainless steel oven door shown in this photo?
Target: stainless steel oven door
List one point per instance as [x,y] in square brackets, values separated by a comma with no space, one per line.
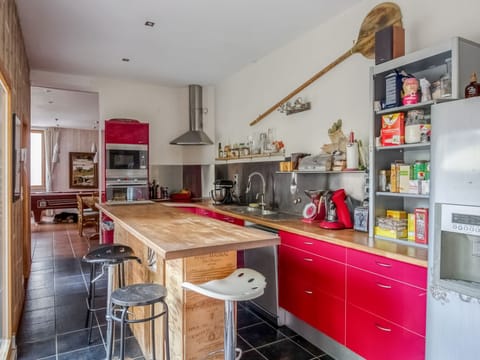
[127,193]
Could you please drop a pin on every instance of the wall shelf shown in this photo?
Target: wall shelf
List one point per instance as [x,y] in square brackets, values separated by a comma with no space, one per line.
[322,172]
[401,195]
[252,158]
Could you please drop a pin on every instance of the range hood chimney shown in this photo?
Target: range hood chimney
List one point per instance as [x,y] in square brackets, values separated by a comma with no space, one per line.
[194,136]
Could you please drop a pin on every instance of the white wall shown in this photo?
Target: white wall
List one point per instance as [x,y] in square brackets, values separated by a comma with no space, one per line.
[164,108]
[341,93]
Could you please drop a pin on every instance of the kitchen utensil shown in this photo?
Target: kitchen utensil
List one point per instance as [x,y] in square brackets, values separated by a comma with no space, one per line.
[293,183]
[381,16]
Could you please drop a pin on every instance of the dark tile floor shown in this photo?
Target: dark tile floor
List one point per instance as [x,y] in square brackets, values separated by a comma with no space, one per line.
[53,322]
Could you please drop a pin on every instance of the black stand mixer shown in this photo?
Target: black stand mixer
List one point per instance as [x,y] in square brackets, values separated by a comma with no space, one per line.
[222,192]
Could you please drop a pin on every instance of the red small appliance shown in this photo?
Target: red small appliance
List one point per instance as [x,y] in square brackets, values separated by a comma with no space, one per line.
[336,210]
[315,210]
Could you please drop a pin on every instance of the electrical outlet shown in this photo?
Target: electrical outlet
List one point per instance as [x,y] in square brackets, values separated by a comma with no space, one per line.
[235,178]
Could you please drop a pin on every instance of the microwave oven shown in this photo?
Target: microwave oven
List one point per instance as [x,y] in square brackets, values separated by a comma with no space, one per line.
[126,157]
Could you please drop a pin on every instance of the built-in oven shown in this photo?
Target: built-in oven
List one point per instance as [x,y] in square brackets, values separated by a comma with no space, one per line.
[126,157]
[457,248]
[126,190]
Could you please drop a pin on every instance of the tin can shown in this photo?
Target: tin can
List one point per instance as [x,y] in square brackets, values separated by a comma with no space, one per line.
[382,180]
[419,168]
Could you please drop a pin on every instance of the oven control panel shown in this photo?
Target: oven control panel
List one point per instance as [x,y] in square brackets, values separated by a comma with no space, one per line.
[461,219]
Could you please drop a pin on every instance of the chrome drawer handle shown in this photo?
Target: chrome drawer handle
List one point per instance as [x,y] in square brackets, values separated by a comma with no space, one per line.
[308,292]
[308,243]
[383,264]
[383,328]
[383,286]
[308,259]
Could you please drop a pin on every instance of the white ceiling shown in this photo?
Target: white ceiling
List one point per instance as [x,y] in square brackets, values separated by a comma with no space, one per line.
[192,42]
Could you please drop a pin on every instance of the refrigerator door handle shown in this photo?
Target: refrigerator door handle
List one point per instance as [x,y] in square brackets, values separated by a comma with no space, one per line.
[383,328]
[383,286]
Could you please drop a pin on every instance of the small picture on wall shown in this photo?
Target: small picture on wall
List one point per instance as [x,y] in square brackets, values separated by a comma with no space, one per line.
[83,170]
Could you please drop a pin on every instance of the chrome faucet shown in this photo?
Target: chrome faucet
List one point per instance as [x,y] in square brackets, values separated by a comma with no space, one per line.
[259,195]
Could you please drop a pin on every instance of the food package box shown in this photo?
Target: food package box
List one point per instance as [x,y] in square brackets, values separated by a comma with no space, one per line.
[394,172]
[414,187]
[411,227]
[425,187]
[393,129]
[421,225]
[397,214]
[404,175]
[395,234]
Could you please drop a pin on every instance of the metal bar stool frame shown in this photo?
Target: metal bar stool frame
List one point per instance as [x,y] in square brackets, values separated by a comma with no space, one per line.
[123,305]
[109,256]
[241,285]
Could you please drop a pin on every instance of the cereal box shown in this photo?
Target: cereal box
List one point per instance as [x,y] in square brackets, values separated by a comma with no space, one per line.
[393,129]
[421,225]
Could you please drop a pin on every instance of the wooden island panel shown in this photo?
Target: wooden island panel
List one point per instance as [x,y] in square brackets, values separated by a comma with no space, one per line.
[196,322]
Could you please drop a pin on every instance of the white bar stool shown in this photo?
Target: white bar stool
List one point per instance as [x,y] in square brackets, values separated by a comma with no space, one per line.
[241,285]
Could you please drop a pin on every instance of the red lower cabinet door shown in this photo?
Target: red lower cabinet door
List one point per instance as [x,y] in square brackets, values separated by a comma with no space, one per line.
[318,309]
[229,219]
[377,339]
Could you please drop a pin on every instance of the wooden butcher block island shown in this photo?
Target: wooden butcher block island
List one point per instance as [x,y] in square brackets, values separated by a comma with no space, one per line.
[177,246]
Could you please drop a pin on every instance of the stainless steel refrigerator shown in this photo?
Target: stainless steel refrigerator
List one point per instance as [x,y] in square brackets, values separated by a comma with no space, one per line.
[453,305]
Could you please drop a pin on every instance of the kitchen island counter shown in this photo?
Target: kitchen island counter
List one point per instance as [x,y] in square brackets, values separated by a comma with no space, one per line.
[176,246]
[174,234]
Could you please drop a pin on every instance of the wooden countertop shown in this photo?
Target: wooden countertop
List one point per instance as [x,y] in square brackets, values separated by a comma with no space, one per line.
[348,238]
[173,233]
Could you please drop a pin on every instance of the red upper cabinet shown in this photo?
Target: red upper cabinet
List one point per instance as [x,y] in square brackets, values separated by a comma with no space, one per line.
[126,132]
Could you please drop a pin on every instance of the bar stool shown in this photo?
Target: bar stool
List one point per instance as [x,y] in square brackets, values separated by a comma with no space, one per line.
[140,295]
[241,285]
[108,256]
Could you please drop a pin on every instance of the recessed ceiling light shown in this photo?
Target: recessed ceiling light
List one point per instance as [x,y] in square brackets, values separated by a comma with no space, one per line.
[50,102]
[149,23]
[126,59]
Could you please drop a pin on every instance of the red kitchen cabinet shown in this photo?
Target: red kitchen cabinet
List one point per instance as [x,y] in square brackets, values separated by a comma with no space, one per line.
[126,132]
[386,307]
[229,219]
[376,338]
[205,212]
[412,274]
[401,303]
[312,284]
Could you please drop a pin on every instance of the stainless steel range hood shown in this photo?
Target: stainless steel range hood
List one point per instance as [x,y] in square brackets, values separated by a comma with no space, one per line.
[194,136]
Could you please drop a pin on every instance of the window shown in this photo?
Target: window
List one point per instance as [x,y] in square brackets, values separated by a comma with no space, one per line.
[37,159]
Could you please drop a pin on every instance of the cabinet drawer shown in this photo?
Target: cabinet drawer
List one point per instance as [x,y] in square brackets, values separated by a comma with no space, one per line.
[401,303]
[375,338]
[412,274]
[324,312]
[229,219]
[205,212]
[317,247]
[327,275]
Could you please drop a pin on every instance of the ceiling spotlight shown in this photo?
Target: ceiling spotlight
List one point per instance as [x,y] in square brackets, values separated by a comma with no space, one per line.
[125,59]
[149,23]
[50,102]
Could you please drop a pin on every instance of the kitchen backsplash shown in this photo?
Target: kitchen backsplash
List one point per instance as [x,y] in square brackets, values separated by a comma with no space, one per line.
[280,192]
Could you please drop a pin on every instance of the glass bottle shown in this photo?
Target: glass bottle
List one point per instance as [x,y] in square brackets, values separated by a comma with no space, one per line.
[472,89]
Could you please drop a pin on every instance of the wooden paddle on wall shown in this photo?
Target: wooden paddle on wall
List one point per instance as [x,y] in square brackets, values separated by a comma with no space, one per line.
[380,17]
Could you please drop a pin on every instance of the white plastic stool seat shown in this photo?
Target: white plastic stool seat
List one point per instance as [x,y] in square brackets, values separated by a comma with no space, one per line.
[241,285]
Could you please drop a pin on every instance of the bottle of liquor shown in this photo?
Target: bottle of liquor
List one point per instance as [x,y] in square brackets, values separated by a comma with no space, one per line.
[472,89]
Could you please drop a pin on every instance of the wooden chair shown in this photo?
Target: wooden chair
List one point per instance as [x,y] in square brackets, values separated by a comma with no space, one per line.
[86,216]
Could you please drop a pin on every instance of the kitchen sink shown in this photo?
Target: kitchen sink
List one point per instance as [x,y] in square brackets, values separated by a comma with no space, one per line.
[272,215]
